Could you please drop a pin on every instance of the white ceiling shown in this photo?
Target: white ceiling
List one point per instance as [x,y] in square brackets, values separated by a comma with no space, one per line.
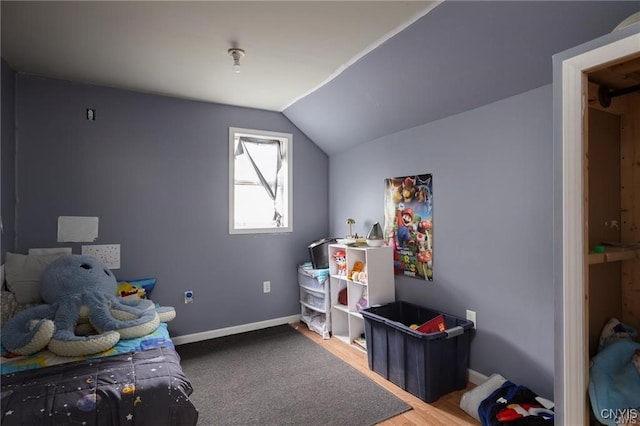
[179,48]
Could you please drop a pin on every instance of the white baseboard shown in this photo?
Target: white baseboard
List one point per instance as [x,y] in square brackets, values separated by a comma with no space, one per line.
[228,331]
[476,378]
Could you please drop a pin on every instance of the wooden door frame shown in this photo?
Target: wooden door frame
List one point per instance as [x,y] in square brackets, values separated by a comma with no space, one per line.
[573,322]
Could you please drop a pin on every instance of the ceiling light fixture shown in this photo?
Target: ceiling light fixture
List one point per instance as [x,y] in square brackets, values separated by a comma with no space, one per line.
[236,54]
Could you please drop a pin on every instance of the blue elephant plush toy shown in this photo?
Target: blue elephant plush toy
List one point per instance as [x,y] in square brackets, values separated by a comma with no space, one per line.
[80,290]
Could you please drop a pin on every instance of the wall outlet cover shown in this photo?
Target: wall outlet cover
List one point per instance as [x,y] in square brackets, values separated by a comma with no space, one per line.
[471,316]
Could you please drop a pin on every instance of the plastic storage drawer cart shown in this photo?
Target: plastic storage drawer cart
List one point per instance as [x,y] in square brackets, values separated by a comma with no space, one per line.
[428,365]
[315,310]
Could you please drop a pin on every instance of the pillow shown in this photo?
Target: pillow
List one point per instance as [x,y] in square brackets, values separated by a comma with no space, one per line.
[23,272]
[471,399]
[136,288]
[10,306]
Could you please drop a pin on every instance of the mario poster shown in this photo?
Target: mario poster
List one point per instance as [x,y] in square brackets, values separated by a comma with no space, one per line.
[408,212]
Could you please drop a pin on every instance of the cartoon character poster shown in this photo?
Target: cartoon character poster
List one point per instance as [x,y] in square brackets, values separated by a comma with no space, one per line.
[408,212]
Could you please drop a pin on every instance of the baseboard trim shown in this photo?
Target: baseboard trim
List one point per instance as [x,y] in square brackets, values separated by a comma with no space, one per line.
[476,378]
[228,331]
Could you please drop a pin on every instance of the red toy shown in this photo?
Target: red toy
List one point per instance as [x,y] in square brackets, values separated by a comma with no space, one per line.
[433,325]
[517,411]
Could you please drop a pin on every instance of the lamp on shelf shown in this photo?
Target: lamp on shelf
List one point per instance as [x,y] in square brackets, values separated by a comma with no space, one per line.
[350,222]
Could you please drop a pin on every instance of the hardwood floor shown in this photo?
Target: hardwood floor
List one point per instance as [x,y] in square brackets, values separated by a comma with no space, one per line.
[445,411]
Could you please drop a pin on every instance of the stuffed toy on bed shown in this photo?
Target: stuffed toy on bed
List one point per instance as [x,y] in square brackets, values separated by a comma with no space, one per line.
[80,289]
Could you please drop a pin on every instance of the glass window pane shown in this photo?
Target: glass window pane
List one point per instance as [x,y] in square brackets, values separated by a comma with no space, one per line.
[259,181]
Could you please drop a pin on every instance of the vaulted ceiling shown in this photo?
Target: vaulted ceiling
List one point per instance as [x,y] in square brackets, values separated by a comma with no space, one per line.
[344,72]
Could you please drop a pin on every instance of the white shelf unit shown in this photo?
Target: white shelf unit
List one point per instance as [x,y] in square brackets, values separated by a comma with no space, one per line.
[347,324]
[315,308]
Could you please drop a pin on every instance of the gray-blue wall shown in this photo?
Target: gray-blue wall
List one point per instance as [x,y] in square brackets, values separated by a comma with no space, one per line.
[7,157]
[493,207]
[155,171]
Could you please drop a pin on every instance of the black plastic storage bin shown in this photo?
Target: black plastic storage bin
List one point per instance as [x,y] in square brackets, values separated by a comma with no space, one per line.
[428,365]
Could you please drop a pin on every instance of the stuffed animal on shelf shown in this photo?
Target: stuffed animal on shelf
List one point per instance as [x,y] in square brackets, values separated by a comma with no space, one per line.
[363,302]
[358,267]
[340,257]
[80,289]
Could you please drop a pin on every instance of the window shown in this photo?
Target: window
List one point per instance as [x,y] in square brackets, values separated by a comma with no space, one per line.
[260,180]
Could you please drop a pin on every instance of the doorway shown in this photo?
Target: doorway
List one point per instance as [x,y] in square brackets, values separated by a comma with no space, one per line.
[572,330]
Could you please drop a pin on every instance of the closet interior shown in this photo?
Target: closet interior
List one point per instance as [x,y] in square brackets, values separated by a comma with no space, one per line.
[612,196]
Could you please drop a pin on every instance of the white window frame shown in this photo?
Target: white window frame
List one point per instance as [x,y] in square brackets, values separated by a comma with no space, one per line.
[287,140]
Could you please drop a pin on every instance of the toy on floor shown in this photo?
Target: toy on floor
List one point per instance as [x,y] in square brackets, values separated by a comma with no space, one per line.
[80,289]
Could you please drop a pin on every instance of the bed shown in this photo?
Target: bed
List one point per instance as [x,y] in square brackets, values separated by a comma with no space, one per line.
[138,382]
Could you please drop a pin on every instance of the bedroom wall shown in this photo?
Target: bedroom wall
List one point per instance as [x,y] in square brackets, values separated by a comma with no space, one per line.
[493,205]
[7,157]
[155,171]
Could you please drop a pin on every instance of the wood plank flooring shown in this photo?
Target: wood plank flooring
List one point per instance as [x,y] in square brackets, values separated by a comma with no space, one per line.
[445,411]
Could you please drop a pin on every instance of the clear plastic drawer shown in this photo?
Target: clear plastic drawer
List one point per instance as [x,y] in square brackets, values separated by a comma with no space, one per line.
[314,279]
[313,299]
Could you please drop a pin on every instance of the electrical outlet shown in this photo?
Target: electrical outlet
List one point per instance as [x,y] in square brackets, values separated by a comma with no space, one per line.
[188,296]
[471,316]
[266,286]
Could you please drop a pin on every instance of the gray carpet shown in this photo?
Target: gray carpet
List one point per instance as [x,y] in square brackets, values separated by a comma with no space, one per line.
[277,376]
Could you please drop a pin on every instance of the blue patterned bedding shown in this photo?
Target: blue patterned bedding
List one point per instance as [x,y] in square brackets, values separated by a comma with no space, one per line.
[138,382]
[12,363]
[145,388]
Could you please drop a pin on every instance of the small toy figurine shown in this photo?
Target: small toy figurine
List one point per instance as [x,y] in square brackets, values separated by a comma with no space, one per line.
[340,258]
